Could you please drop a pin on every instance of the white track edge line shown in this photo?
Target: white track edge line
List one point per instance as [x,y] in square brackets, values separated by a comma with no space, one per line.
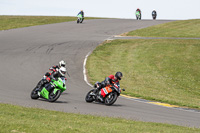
[84,69]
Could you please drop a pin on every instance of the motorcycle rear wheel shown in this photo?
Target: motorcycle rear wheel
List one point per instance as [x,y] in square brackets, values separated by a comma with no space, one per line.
[111,98]
[53,97]
[34,94]
[88,97]
[81,21]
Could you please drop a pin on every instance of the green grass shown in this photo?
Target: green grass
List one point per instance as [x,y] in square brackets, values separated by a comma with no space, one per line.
[183,28]
[29,120]
[161,70]
[11,22]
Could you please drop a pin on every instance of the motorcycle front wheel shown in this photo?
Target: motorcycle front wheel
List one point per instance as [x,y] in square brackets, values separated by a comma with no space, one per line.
[34,94]
[89,98]
[111,98]
[53,97]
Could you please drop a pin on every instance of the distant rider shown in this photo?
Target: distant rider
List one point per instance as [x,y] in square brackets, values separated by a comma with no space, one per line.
[46,79]
[154,14]
[55,75]
[82,13]
[110,80]
[138,10]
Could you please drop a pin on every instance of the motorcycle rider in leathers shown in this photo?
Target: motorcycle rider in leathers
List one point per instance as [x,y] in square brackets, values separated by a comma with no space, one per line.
[139,12]
[108,81]
[46,79]
[154,13]
[82,13]
[55,75]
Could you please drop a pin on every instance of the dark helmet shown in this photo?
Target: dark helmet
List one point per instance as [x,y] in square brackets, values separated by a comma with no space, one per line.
[118,75]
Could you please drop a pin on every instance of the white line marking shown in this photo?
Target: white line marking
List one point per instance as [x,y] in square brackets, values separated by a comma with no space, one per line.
[84,70]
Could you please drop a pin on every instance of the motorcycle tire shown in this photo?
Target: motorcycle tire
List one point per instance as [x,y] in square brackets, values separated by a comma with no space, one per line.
[81,21]
[77,21]
[111,98]
[34,94]
[88,97]
[53,97]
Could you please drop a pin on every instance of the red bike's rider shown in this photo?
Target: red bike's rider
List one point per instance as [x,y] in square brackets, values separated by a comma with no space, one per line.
[46,79]
[108,81]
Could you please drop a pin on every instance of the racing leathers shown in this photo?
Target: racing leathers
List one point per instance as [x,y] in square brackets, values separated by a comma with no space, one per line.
[82,13]
[54,76]
[54,68]
[110,80]
[46,79]
[138,10]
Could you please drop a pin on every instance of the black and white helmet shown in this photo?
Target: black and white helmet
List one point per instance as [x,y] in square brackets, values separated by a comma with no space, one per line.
[62,71]
[62,63]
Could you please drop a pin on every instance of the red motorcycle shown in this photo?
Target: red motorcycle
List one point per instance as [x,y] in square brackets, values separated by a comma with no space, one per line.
[109,93]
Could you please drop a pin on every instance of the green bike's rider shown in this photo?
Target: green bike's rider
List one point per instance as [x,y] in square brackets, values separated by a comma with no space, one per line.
[138,10]
[55,75]
[46,78]
[82,13]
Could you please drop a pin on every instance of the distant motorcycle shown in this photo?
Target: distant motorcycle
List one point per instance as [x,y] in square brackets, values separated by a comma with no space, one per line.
[79,19]
[52,96]
[138,15]
[110,92]
[154,15]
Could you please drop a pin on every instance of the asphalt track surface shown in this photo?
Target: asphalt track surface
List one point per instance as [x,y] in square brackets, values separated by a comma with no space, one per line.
[27,53]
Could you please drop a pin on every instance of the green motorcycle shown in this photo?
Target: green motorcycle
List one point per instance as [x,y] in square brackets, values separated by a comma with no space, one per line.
[80,18]
[59,87]
[138,15]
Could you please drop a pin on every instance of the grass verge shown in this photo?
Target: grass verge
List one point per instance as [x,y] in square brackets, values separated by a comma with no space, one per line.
[161,70]
[183,28]
[12,22]
[21,119]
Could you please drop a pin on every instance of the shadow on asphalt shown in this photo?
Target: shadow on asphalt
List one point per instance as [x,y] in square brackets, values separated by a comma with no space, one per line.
[114,105]
[60,102]
[118,105]
[64,93]
[44,100]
